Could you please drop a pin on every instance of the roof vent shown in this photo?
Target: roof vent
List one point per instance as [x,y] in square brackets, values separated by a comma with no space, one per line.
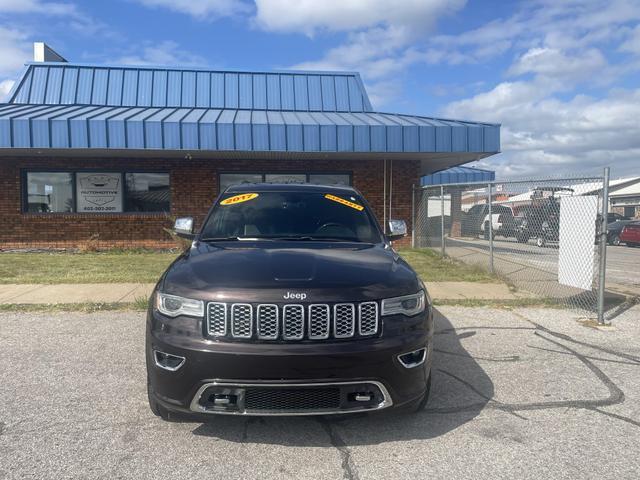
[44,53]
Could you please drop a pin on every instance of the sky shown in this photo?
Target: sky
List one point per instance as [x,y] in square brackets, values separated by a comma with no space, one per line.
[561,76]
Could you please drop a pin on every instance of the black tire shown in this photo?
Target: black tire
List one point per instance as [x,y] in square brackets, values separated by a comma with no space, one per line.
[541,242]
[522,237]
[485,233]
[422,402]
[157,409]
[615,240]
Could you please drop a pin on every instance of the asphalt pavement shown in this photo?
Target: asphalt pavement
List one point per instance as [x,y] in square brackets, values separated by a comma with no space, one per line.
[623,263]
[526,393]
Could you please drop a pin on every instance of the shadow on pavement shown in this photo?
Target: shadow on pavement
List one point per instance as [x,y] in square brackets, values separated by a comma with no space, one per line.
[460,388]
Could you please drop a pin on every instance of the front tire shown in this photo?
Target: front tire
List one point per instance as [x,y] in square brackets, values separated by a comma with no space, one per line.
[615,240]
[541,242]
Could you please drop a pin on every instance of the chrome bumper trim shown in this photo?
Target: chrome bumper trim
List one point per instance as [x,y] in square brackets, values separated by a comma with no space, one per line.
[197,408]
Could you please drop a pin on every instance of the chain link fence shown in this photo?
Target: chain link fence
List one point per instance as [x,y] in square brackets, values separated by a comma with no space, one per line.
[542,235]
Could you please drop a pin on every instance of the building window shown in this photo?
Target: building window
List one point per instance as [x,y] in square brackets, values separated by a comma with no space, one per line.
[285,178]
[49,192]
[97,192]
[228,179]
[330,178]
[147,192]
[630,212]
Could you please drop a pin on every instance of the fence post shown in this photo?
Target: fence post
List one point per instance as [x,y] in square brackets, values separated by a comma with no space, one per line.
[603,245]
[442,250]
[413,216]
[490,228]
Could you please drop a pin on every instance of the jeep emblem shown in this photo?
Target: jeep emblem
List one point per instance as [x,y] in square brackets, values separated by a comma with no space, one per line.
[294,296]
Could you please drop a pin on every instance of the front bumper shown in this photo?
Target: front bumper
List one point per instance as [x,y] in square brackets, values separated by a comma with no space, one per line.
[237,373]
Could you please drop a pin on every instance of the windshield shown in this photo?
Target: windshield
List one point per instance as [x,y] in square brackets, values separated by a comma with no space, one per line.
[291,216]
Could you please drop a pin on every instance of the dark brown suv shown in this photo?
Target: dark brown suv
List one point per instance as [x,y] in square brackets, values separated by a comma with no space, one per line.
[290,301]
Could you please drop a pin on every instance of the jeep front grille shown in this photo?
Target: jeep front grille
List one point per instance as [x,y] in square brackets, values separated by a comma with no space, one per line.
[268,322]
[217,319]
[292,322]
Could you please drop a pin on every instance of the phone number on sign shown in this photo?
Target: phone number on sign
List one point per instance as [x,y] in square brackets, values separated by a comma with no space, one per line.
[100,209]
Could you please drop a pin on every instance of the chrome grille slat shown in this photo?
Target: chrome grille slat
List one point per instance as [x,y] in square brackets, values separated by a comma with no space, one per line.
[268,321]
[319,320]
[293,322]
[217,319]
[316,321]
[242,320]
[367,318]
[344,316]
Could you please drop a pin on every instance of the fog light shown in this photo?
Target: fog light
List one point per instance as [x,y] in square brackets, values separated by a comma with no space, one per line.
[363,397]
[166,361]
[413,359]
[222,400]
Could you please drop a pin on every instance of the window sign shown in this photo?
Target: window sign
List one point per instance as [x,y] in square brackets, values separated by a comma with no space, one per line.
[98,192]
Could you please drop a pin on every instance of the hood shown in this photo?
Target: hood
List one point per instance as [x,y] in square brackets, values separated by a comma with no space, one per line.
[289,272]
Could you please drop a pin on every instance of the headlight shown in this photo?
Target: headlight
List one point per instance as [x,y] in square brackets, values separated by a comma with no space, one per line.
[406,305]
[172,305]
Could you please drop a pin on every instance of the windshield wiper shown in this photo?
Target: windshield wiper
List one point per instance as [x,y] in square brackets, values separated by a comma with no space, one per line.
[309,238]
[234,239]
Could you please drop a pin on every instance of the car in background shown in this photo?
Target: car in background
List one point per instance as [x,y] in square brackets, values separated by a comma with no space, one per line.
[476,221]
[630,234]
[614,230]
[615,217]
[541,219]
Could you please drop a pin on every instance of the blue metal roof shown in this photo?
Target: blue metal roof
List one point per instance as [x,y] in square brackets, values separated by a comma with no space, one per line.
[59,105]
[116,127]
[58,83]
[459,175]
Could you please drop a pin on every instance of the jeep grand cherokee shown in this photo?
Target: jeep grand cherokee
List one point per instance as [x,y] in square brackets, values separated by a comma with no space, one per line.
[290,301]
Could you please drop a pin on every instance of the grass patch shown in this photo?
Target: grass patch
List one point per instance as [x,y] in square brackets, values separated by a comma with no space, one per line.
[433,268]
[511,303]
[144,266]
[95,267]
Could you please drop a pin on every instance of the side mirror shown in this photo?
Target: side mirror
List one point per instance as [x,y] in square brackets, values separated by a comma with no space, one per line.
[184,227]
[397,229]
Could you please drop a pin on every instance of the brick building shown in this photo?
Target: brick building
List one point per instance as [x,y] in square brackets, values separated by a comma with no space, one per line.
[109,154]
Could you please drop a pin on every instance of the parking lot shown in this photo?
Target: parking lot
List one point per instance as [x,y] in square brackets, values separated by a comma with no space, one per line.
[526,393]
[524,261]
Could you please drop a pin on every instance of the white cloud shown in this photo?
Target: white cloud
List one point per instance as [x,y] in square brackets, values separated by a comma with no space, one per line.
[552,63]
[5,88]
[163,53]
[36,6]
[543,135]
[379,39]
[548,126]
[202,9]
[14,50]
[632,43]
[310,16]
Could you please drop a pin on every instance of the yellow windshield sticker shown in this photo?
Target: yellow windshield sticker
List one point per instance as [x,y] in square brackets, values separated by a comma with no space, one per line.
[328,196]
[245,197]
